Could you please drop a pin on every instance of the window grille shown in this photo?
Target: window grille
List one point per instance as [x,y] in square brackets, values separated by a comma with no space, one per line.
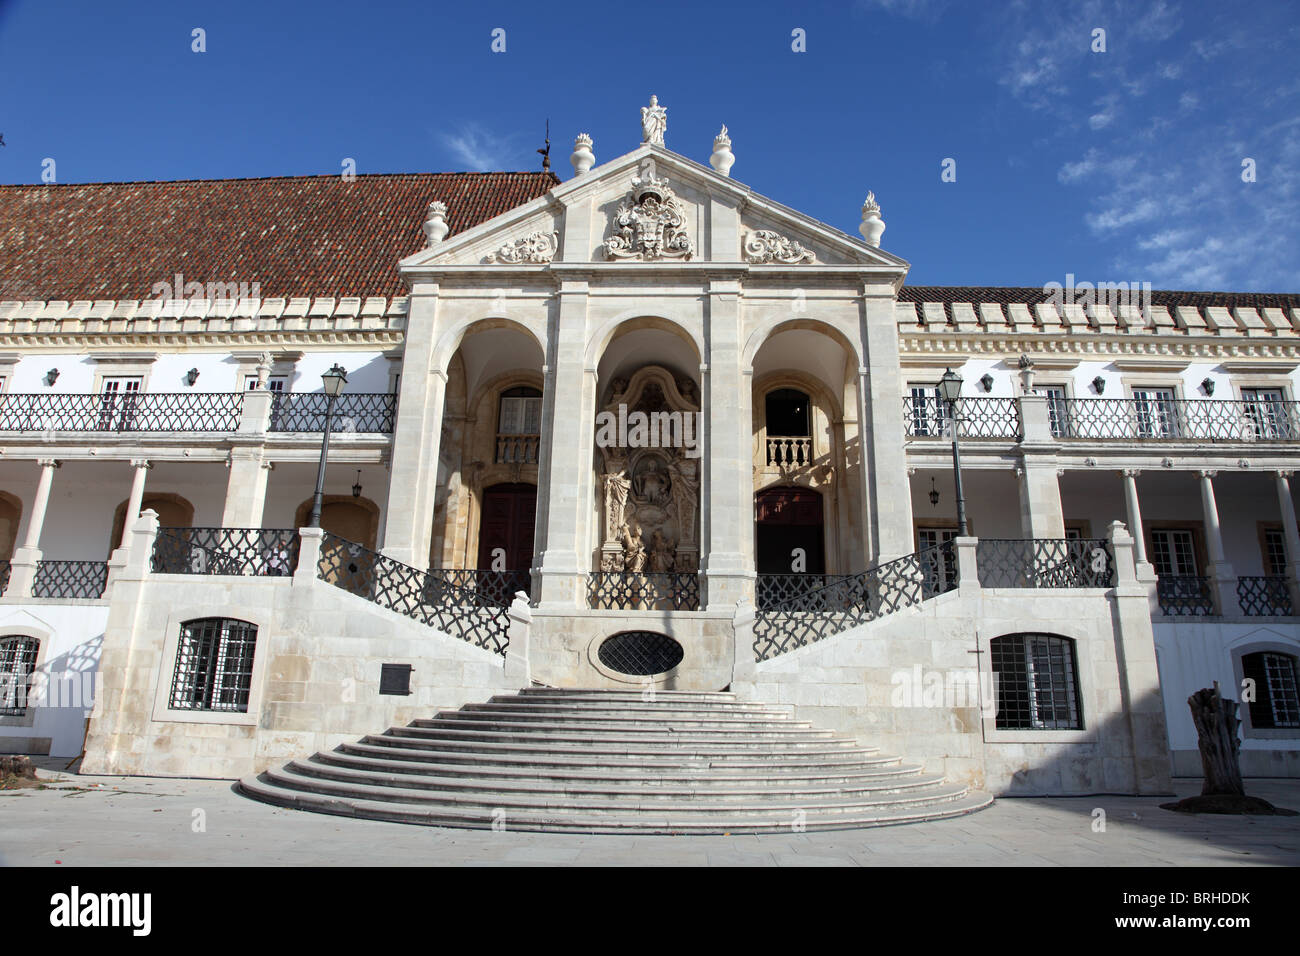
[17,662]
[1277,697]
[1036,684]
[214,665]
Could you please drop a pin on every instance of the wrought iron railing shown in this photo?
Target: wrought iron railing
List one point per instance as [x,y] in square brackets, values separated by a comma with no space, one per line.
[637,591]
[70,579]
[1045,563]
[930,417]
[1185,595]
[517,449]
[853,599]
[1264,596]
[256,552]
[368,412]
[5,569]
[121,412]
[420,595]
[493,587]
[789,451]
[775,590]
[1176,419]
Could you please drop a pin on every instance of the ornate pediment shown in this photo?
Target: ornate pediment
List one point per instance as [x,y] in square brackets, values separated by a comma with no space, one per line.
[650,225]
[537,246]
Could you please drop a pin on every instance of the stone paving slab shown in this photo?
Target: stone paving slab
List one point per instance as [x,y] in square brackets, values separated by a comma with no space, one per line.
[149,821]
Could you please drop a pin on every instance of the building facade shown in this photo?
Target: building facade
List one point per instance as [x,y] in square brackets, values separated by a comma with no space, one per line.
[640,428]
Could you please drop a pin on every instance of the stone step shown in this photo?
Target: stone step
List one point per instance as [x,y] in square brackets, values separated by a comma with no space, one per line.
[539,704]
[630,724]
[657,762]
[349,755]
[629,695]
[627,822]
[615,749]
[759,740]
[623,789]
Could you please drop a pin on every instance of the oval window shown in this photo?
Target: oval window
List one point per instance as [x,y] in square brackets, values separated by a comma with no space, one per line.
[640,653]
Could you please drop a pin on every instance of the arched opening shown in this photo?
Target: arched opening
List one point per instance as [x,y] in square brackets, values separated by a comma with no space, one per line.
[505,533]
[788,413]
[788,531]
[173,512]
[353,519]
[11,512]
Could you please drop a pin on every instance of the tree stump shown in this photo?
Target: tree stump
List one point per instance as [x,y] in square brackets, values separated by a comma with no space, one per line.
[1216,731]
[17,771]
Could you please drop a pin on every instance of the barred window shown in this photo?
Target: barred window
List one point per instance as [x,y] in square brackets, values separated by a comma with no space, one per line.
[214,665]
[1277,699]
[17,661]
[1036,684]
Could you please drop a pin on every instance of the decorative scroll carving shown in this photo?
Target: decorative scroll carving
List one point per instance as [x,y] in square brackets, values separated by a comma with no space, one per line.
[534,247]
[651,224]
[764,246]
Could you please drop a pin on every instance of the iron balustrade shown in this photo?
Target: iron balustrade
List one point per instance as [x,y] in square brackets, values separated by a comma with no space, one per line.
[121,412]
[854,599]
[775,590]
[362,412]
[1176,419]
[1185,595]
[929,417]
[244,552]
[1045,563]
[517,449]
[5,569]
[643,591]
[495,588]
[423,596]
[789,451]
[70,579]
[1264,596]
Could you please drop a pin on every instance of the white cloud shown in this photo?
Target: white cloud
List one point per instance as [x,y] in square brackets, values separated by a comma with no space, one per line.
[1100,120]
[477,149]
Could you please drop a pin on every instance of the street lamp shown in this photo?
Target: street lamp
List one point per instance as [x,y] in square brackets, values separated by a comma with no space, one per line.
[950,392]
[334,381]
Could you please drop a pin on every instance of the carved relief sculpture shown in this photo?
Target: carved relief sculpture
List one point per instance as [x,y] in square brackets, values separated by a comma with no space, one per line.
[764,246]
[651,224]
[535,247]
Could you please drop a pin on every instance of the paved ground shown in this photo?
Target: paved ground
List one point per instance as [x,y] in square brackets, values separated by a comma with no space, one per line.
[144,821]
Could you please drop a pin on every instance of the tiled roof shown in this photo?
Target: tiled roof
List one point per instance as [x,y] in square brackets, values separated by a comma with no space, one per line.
[293,236]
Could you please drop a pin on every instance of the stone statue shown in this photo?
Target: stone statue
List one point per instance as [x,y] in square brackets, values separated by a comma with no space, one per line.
[661,556]
[617,486]
[651,483]
[654,121]
[633,550]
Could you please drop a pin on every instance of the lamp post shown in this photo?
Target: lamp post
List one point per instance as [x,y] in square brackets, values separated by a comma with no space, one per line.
[950,393]
[334,381]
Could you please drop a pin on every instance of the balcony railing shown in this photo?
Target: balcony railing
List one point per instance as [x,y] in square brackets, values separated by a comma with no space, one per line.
[1045,563]
[497,588]
[1174,419]
[637,591]
[789,451]
[246,552]
[363,412]
[121,412]
[70,579]
[1264,596]
[1185,595]
[517,449]
[929,417]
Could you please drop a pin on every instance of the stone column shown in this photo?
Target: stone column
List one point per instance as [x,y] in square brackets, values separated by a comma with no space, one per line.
[141,468]
[1223,582]
[1290,535]
[883,433]
[1134,514]
[1139,676]
[246,487]
[1041,514]
[568,436]
[22,567]
[728,509]
[413,468]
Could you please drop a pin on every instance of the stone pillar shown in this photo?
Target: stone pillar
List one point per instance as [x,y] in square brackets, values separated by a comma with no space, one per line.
[966,551]
[1223,582]
[1041,513]
[882,429]
[22,567]
[728,454]
[744,668]
[309,542]
[246,487]
[413,468]
[1139,676]
[141,468]
[568,436]
[1135,515]
[1290,535]
[255,412]
[518,668]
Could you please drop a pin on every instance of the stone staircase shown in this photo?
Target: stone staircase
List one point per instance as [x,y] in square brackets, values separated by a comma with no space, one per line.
[607,761]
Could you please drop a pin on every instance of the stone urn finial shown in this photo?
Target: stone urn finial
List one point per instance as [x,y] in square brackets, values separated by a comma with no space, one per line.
[722,159]
[583,158]
[435,226]
[873,227]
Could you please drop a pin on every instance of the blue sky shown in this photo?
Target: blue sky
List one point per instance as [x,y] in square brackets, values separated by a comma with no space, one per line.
[1117,166]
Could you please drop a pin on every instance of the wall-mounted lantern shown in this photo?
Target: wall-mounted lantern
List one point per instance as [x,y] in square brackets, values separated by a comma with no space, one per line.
[934,494]
[191,377]
[356,487]
[1207,385]
[987,381]
[1099,385]
[51,377]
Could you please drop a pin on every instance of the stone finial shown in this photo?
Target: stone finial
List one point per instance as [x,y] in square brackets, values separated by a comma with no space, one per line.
[583,158]
[722,159]
[435,226]
[1026,366]
[873,227]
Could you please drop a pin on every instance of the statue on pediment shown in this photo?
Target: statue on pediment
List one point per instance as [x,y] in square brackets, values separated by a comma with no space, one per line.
[654,122]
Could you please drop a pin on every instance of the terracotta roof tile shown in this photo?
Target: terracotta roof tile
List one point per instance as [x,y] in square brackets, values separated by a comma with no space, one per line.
[293,236]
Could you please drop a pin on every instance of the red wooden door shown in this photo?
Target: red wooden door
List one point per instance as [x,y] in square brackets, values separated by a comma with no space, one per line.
[509,517]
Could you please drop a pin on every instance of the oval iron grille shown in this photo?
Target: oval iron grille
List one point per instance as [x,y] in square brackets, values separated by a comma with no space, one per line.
[640,653]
